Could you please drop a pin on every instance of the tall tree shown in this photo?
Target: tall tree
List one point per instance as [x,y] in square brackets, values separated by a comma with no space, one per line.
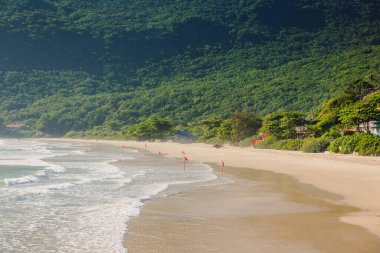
[238,126]
[282,124]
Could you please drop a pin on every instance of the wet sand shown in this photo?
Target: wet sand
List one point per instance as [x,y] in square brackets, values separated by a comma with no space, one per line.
[258,212]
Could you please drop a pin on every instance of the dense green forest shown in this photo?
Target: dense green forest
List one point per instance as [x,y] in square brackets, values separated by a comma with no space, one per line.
[102,65]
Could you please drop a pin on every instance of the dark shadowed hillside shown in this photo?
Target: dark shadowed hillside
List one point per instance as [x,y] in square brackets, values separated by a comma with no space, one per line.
[73,65]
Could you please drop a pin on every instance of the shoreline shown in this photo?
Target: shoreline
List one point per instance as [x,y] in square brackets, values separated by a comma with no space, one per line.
[354,180]
[257,211]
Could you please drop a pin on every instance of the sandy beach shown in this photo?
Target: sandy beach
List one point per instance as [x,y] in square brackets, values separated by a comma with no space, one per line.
[257,212]
[350,181]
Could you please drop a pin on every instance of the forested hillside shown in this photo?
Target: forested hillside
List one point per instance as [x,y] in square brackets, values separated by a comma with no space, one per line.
[74,65]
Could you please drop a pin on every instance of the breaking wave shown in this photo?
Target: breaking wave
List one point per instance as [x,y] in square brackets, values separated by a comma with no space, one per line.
[21,180]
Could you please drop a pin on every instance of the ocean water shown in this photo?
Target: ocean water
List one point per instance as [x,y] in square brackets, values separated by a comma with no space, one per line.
[70,197]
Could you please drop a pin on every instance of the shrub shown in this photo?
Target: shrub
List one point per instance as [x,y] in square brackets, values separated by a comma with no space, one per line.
[71,134]
[268,143]
[364,144]
[247,141]
[334,145]
[368,144]
[29,133]
[290,144]
[348,144]
[314,145]
[332,133]
[215,140]
[345,144]
[274,143]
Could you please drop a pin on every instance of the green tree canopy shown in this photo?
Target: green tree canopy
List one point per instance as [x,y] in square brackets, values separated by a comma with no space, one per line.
[208,128]
[152,127]
[360,112]
[239,126]
[94,61]
[282,124]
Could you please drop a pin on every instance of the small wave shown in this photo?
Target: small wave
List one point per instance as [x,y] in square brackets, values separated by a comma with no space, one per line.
[56,168]
[60,187]
[32,161]
[153,190]
[21,180]
[42,173]
[132,150]
[66,186]
[79,152]
[35,177]
[191,181]
[88,181]
[105,169]
[25,192]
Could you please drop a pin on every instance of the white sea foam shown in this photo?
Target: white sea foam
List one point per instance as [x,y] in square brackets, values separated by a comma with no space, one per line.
[56,168]
[88,181]
[32,161]
[153,190]
[33,154]
[21,180]
[34,177]
[63,186]
[79,152]
[100,228]
[111,218]
[33,191]
[23,193]
[42,174]
[90,195]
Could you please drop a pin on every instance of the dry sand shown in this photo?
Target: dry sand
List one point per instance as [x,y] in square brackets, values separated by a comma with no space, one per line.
[355,180]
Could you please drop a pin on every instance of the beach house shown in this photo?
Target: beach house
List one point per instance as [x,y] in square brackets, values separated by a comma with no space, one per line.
[301,131]
[15,126]
[372,127]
